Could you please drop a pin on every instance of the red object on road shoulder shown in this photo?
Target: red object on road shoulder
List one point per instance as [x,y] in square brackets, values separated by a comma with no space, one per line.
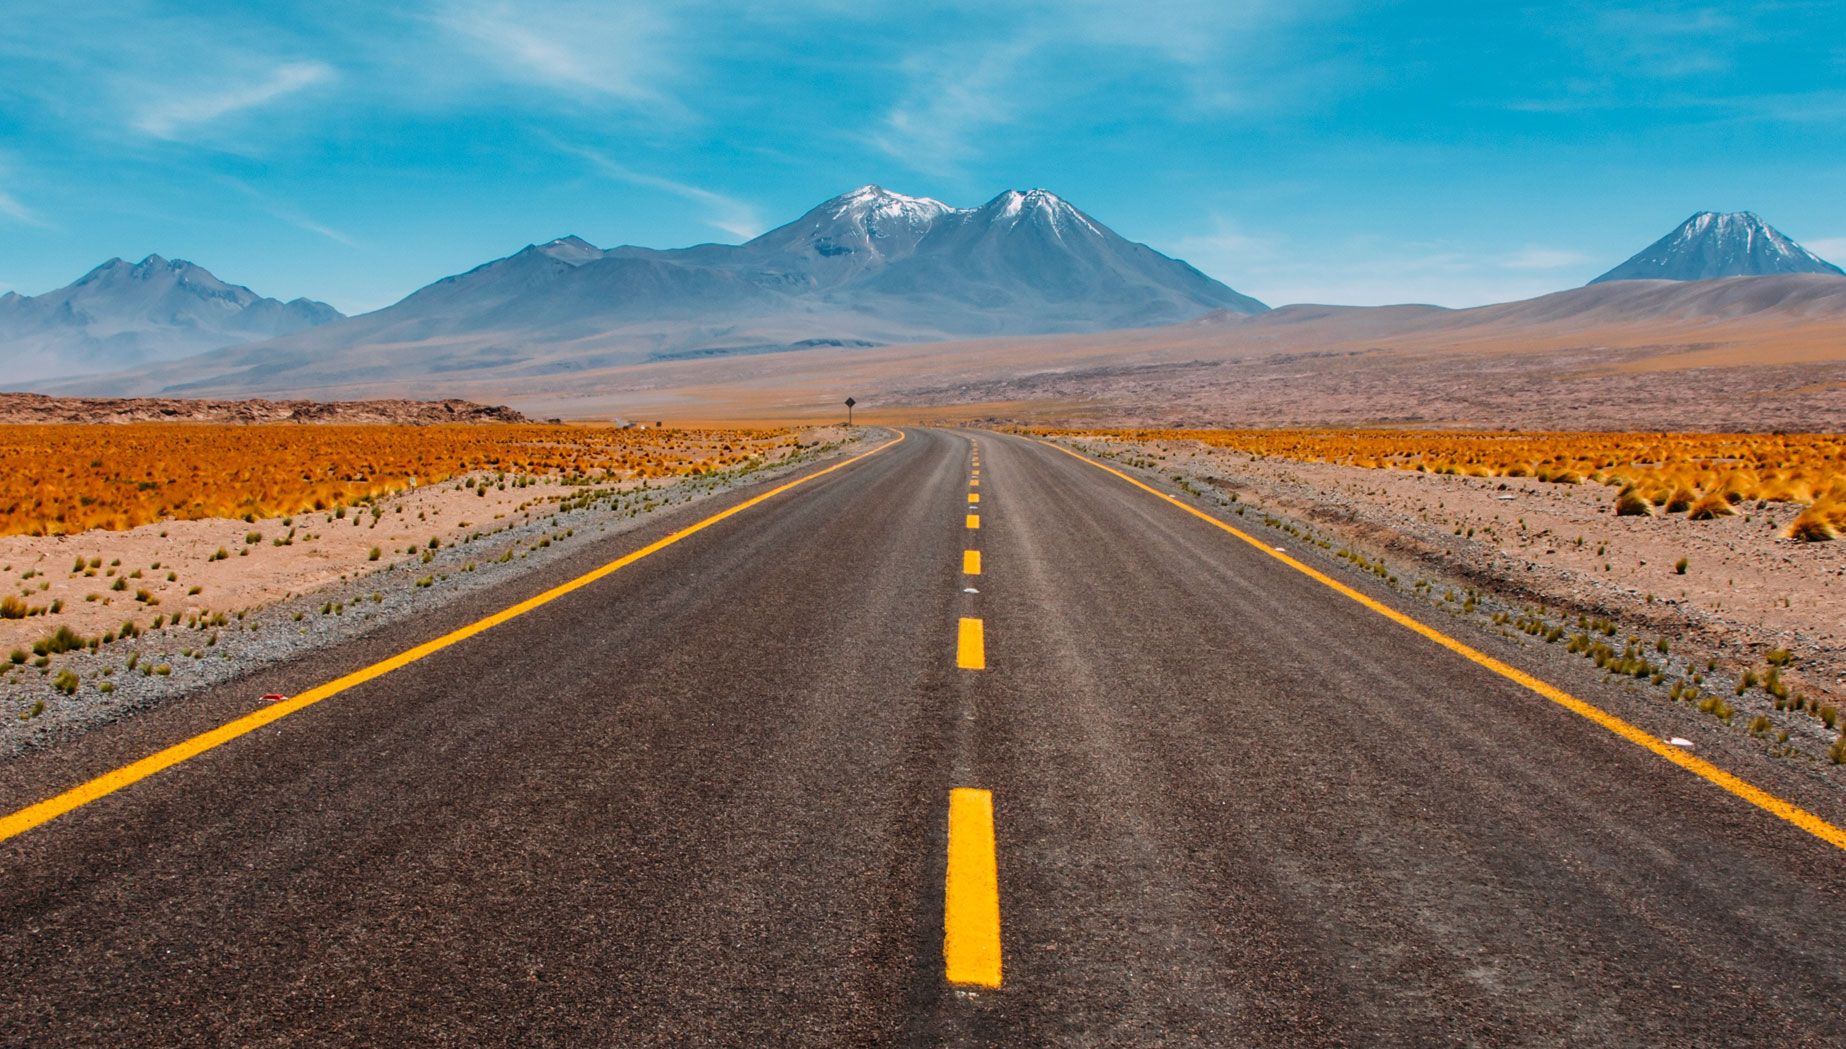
[273,697]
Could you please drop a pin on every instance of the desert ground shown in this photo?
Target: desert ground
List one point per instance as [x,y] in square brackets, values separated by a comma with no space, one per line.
[129,612]
[1751,355]
[1703,602]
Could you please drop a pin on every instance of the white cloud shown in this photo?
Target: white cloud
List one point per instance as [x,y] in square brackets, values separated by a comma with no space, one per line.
[289,214]
[953,99]
[1217,54]
[1663,41]
[621,50]
[722,212]
[12,209]
[174,117]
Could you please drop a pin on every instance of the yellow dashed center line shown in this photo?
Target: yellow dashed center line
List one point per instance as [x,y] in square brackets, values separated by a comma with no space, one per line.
[971,562]
[971,645]
[973,498]
[1699,767]
[971,892]
[51,808]
[974,521]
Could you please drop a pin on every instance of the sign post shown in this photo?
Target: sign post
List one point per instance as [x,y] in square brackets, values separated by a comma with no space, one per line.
[849,403]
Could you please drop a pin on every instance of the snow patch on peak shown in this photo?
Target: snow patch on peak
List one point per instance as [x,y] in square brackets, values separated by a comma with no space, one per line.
[1014,207]
[1715,244]
[881,212]
[573,250]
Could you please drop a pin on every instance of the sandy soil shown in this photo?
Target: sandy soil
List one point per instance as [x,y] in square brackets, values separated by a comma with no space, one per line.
[281,602]
[267,560]
[1746,589]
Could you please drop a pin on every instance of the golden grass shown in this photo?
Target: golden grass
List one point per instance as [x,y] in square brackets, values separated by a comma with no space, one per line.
[67,478]
[1700,475]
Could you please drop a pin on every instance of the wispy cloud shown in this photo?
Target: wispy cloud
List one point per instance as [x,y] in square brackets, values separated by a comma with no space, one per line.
[288,213]
[13,210]
[1665,41]
[620,50]
[954,98]
[733,216]
[1045,54]
[177,116]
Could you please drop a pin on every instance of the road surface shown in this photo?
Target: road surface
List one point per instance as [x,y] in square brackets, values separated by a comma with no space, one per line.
[1201,799]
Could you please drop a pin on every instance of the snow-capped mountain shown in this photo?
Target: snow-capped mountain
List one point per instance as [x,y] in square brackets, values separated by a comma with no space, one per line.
[867,267]
[1024,262]
[1714,244]
[123,314]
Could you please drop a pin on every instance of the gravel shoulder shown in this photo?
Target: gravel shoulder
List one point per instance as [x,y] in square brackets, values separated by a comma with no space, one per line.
[310,599]
[1552,571]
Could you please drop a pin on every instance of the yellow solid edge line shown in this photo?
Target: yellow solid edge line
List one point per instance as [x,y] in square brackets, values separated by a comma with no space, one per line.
[971,645]
[1705,770]
[974,521]
[971,562]
[109,782]
[971,892]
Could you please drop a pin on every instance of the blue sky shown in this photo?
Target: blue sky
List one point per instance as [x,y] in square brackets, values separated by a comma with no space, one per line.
[1298,150]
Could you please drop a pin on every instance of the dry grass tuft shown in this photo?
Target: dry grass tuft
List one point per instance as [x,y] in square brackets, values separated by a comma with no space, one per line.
[63,479]
[1701,475]
[1822,522]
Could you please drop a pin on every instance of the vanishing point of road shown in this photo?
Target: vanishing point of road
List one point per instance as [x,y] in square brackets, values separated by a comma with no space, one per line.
[962,741]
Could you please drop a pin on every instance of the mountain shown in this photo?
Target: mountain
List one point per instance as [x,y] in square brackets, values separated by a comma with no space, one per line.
[120,315]
[868,267]
[1714,244]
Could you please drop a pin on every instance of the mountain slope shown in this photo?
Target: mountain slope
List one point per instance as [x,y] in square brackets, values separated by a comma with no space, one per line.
[122,314]
[1711,244]
[867,267]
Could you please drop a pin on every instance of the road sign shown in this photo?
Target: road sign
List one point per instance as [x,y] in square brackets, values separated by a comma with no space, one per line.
[849,403]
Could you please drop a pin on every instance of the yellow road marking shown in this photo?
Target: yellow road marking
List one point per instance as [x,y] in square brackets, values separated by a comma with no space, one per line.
[973,498]
[971,892]
[108,783]
[974,521]
[1705,770]
[975,481]
[971,645]
[971,562]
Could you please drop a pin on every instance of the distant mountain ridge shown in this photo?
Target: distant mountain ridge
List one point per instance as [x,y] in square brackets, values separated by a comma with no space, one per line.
[867,267]
[1712,245]
[123,314]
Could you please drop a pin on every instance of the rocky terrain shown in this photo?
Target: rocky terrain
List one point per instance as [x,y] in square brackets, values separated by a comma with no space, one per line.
[41,408]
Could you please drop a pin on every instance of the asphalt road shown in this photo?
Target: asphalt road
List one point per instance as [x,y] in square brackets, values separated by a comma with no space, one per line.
[704,801]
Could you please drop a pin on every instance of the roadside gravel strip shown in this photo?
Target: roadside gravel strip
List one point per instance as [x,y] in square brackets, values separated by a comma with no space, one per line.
[1686,658]
[177,661]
